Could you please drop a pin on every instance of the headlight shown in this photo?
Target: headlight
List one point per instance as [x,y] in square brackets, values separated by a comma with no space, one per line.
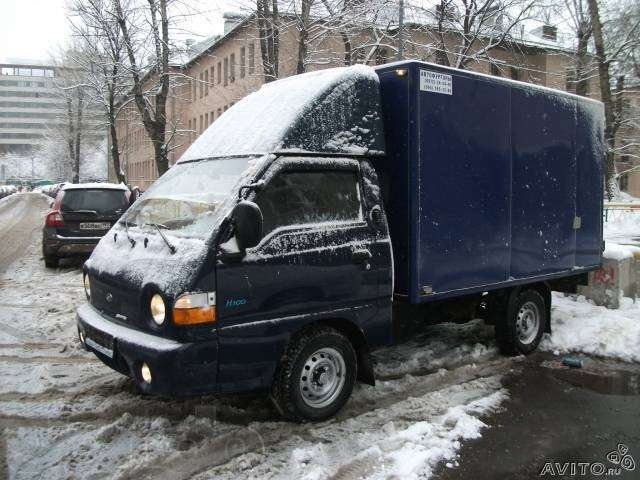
[195,308]
[157,309]
[87,286]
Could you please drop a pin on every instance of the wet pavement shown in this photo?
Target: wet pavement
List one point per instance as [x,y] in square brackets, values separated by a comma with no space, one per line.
[585,422]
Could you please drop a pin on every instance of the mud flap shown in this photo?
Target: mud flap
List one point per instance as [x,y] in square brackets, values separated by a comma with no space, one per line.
[365,372]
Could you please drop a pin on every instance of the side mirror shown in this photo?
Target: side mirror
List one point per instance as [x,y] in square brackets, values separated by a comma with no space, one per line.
[247,218]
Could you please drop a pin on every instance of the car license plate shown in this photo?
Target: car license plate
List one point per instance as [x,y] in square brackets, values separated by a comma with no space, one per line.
[95,226]
[106,351]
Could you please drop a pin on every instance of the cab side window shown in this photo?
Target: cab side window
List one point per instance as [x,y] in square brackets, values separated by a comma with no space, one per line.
[304,197]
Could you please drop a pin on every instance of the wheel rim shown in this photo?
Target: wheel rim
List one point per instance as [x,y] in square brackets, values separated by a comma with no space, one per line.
[322,377]
[528,322]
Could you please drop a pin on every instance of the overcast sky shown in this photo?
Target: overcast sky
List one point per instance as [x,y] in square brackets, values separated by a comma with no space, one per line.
[34,29]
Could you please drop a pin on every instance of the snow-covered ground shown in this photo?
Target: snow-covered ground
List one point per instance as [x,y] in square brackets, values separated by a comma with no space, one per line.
[580,326]
[64,414]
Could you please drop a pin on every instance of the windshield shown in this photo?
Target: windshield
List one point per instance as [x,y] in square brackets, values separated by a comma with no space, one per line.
[186,199]
[97,200]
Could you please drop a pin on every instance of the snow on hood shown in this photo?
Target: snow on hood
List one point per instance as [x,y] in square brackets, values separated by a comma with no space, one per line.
[335,110]
[154,264]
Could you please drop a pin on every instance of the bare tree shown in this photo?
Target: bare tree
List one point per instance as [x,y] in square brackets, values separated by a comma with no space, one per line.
[107,82]
[614,47]
[77,124]
[140,24]
[268,19]
[463,31]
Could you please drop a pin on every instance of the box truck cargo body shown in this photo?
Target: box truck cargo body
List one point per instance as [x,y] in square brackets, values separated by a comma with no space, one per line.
[490,181]
[307,222]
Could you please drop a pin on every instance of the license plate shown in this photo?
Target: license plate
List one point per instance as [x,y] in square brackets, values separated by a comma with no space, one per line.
[95,226]
[100,348]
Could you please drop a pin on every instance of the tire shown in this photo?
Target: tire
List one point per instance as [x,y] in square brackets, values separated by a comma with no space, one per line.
[51,261]
[301,397]
[520,329]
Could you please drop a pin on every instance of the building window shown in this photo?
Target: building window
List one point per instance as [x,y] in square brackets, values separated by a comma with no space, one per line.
[211,77]
[515,74]
[195,128]
[201,85]
[200,131]
[226,107]
[495,71]
[206,83]
[219,112]
[252,61]
[194,91]
[206,120]
[243,62]
[189,128]
[219,73]
[211,117]
[226,71]
[233,68]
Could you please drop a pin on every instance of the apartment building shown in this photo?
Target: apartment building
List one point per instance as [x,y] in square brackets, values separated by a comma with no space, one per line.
[28,104]
[221,70]
[628,142]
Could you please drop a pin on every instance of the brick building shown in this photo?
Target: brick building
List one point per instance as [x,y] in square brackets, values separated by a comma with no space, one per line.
[221,70]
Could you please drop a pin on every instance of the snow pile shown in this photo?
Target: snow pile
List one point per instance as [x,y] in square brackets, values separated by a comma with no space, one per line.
[580,326]
[622,224]
[407,440]
[425,444]
[312,111]
[613,251]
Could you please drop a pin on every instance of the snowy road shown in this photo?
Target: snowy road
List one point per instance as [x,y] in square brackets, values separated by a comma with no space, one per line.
[63,414]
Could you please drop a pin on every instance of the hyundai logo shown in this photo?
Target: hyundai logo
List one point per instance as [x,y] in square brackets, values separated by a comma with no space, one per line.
[108,297]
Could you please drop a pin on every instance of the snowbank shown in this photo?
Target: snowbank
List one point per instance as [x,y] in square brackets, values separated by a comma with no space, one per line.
[580,326]
[614,251]
[622,224]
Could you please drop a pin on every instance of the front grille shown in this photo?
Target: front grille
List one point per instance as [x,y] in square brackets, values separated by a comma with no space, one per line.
[114,300]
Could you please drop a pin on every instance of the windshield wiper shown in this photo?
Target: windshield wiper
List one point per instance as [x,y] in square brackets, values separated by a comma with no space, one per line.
[157,227]
[126,231]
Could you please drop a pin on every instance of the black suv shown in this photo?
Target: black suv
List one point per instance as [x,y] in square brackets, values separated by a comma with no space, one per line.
[81,215]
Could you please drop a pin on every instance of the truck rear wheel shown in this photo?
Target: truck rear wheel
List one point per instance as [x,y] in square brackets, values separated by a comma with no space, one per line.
[520,330]
[316,375]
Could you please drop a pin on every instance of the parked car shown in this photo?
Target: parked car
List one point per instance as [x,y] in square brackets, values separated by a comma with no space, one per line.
[81,214]
[6,190]
[300,226]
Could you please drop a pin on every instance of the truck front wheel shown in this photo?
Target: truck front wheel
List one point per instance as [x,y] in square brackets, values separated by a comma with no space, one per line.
[316,375]
[521,329]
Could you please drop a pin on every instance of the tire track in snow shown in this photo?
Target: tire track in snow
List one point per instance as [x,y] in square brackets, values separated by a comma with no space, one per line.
[216,453]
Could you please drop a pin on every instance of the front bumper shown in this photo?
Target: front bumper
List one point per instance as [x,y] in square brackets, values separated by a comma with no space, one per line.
[177,369]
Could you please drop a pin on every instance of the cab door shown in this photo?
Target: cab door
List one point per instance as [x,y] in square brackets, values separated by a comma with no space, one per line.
[315,260]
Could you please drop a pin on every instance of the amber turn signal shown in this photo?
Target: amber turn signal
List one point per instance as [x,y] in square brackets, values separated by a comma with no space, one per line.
[194,309]
[194,316]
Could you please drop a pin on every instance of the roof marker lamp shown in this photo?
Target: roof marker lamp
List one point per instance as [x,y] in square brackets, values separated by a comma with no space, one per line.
[194,309]
[401,72]
[157,309]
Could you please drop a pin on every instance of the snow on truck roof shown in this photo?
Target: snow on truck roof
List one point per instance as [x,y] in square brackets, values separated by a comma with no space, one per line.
[94,185]
[332,111]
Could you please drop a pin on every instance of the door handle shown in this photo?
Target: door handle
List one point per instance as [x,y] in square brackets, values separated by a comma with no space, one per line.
[361,256]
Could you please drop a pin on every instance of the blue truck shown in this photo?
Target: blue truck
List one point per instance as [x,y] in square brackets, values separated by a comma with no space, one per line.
[286,241]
